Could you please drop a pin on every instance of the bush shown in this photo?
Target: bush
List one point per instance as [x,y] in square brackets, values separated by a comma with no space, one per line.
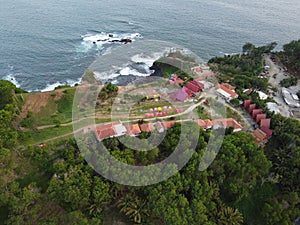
[292,81]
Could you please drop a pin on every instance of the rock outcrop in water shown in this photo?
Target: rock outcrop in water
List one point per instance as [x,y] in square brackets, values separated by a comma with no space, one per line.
[157,70]
[123,40]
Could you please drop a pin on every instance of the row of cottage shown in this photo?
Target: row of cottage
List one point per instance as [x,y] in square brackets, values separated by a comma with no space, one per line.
[264,133]
[117,129]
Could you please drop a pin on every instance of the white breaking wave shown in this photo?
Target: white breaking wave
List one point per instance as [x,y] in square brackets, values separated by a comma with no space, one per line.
[90,41]
[106,75]
[129,71]
[148,60]
[51,87]
[104,37]
[12,79]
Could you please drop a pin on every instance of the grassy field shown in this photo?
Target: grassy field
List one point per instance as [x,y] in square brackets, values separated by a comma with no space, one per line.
[57,110]
[38,136]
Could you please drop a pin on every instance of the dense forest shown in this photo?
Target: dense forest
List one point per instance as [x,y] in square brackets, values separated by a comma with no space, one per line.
[246,184]
[290,57]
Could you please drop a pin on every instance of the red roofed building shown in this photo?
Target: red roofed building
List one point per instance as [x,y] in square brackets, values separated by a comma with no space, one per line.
[267,131]
[194,86]
[226,92]
[255,112]
[251,108]
[247,104]
[209,124]
[260,136]
[188,91]
[169,124]
[229,86]
[147,127]
[226,123]
[265,123]
[133,129]
[259,117]
[205,124]
[105,131]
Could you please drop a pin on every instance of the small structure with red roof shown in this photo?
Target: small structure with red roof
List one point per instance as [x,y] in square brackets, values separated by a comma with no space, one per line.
[226,92]
[229,87]
[255,112]
[251,108]
[188,91]
[147,127]
[259,136]
[133,130]
[105,131]
[267,131]
[194,86]
[265,123]
[259,117]
[247,104]
[205,124]
[169,124]
[226,123]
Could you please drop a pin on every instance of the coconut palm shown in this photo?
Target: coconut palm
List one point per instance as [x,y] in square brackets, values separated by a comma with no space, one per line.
[229,216]
[133,207]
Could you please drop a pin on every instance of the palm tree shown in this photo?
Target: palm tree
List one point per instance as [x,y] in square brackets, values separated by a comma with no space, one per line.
[133,207]
[229,216]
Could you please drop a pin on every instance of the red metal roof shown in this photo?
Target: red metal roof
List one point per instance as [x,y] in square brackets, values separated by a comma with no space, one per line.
[188,91]
[227,122]
[169,124]
[205,124]
[255,112]
[259,136]
[259,117]
[133,129]
[105,131]
[251,107]
[247,104]
[194,86]
[265,123]
[228,86]
[147,127]
[227,90]
[267,131]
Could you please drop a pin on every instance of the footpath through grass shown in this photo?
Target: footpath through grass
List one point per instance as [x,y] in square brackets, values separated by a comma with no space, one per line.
[38,136]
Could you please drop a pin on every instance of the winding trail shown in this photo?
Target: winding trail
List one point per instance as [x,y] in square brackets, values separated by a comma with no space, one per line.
[187,111]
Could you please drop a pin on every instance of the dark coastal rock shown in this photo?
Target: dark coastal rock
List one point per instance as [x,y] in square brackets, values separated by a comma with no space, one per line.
[126,40]
[157,70]
[123,40]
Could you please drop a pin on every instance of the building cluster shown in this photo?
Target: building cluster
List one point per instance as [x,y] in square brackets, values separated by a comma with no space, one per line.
[262,134]
[227,91]
[191,89]
[117,129]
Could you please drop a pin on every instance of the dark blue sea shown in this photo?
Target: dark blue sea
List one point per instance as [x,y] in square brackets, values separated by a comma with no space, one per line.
[47,43]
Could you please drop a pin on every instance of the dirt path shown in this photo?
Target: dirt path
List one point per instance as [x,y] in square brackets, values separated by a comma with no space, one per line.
[275,82]
[188,110]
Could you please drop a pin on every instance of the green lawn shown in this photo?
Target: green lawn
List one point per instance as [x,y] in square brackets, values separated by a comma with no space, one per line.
[56,111]
[39,136]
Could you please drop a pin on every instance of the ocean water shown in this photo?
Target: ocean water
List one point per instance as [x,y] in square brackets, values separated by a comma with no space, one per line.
[47,43]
